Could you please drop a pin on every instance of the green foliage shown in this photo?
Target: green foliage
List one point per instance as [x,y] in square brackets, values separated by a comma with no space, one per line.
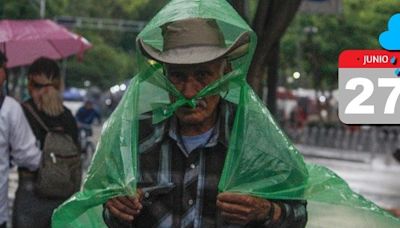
[140,9]
[103,66]
[358,27]
[19,9]
[111,60]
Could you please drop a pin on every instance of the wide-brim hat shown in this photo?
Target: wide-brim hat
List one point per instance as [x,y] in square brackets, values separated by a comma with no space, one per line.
[193,41]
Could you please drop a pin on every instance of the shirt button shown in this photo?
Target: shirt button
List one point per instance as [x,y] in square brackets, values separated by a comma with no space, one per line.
[146,195]
[192,166]
[190,202]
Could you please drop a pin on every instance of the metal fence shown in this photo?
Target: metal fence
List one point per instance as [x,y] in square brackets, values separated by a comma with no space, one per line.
[348,142]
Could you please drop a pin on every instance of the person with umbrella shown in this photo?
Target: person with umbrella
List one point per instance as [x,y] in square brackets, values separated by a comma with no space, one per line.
[45,113]
[23,41]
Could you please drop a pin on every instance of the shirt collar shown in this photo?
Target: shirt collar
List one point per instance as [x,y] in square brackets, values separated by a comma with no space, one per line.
[221,131]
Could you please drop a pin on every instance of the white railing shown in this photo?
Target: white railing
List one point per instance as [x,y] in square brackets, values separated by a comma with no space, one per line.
[101,23]
[348,142]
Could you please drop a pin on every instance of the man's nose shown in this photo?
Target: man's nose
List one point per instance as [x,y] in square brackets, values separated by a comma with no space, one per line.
[190,88]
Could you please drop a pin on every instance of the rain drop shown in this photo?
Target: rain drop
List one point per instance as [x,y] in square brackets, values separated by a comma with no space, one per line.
[393,60]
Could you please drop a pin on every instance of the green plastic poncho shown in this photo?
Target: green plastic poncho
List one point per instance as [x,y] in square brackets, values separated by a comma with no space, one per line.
[261,161]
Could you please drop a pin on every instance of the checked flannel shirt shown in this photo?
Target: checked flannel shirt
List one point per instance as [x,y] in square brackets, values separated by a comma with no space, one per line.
[180,188]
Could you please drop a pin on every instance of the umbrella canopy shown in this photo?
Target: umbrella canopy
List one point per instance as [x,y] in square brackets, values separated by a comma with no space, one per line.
[23,41]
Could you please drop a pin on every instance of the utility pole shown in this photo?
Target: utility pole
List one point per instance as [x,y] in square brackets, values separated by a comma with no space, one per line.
[42,8]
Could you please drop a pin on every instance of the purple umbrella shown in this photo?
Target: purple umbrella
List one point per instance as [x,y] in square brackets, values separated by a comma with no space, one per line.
[23,41]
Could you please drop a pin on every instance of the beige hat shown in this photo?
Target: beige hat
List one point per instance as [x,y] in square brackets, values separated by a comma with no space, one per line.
[193,41]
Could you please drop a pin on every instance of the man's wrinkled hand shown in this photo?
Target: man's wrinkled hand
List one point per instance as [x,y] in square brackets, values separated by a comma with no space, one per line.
[242,209]
[126,208]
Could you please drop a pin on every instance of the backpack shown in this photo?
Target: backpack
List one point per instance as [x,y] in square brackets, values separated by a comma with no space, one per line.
[60,171]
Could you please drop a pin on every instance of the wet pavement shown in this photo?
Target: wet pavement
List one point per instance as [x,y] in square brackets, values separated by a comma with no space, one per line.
[377,181]
[376,177]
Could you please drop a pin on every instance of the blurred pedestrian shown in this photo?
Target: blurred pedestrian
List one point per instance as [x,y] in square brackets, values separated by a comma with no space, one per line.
[46,114]
[396,154]
[17,142]
[86,115]
[298,117]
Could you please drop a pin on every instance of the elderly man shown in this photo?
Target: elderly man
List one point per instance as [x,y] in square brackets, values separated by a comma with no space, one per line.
[181,167]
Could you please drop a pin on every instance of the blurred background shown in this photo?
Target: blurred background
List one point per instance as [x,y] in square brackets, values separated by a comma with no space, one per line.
[294,71]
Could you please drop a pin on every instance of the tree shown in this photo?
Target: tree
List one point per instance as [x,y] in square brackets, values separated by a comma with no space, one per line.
[112,58]
[271,19]
[19,9]
[104,66]
[316,53]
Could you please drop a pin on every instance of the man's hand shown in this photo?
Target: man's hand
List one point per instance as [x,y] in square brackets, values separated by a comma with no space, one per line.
[243,209]
[126,207]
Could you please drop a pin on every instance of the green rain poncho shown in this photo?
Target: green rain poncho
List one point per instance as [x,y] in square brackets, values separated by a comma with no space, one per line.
[261,161]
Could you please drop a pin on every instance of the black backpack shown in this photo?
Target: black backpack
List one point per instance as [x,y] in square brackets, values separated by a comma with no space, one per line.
[60,171]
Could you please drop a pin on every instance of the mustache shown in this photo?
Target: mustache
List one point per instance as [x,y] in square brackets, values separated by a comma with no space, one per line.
[199,103]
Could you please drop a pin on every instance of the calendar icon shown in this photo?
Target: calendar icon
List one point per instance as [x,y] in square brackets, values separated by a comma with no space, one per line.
[369,87]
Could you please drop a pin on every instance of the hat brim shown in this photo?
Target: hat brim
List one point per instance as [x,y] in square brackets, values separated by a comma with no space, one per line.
[195,55]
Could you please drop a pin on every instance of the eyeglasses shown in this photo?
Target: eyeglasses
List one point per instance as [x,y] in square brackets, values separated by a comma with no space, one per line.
[39,86]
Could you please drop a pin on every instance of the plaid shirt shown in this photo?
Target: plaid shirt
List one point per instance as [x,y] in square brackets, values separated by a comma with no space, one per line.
[180,188]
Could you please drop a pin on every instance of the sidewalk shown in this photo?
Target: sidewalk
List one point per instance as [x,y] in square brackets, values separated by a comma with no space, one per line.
[375,177]
[336,154]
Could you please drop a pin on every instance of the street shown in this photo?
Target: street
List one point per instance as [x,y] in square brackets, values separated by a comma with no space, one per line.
[377,181]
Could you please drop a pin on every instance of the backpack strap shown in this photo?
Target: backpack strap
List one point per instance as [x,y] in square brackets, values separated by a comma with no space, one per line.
[36,116]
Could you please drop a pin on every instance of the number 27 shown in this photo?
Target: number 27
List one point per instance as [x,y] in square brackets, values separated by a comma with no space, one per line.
[355,106]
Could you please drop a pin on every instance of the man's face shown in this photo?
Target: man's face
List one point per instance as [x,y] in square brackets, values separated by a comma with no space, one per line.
[2,77]
[189,80]
[88,105]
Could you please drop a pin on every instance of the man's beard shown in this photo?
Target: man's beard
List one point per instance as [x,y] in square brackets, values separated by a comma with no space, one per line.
[50,102]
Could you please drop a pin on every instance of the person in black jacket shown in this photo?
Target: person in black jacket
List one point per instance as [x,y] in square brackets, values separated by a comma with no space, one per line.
[44,85]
